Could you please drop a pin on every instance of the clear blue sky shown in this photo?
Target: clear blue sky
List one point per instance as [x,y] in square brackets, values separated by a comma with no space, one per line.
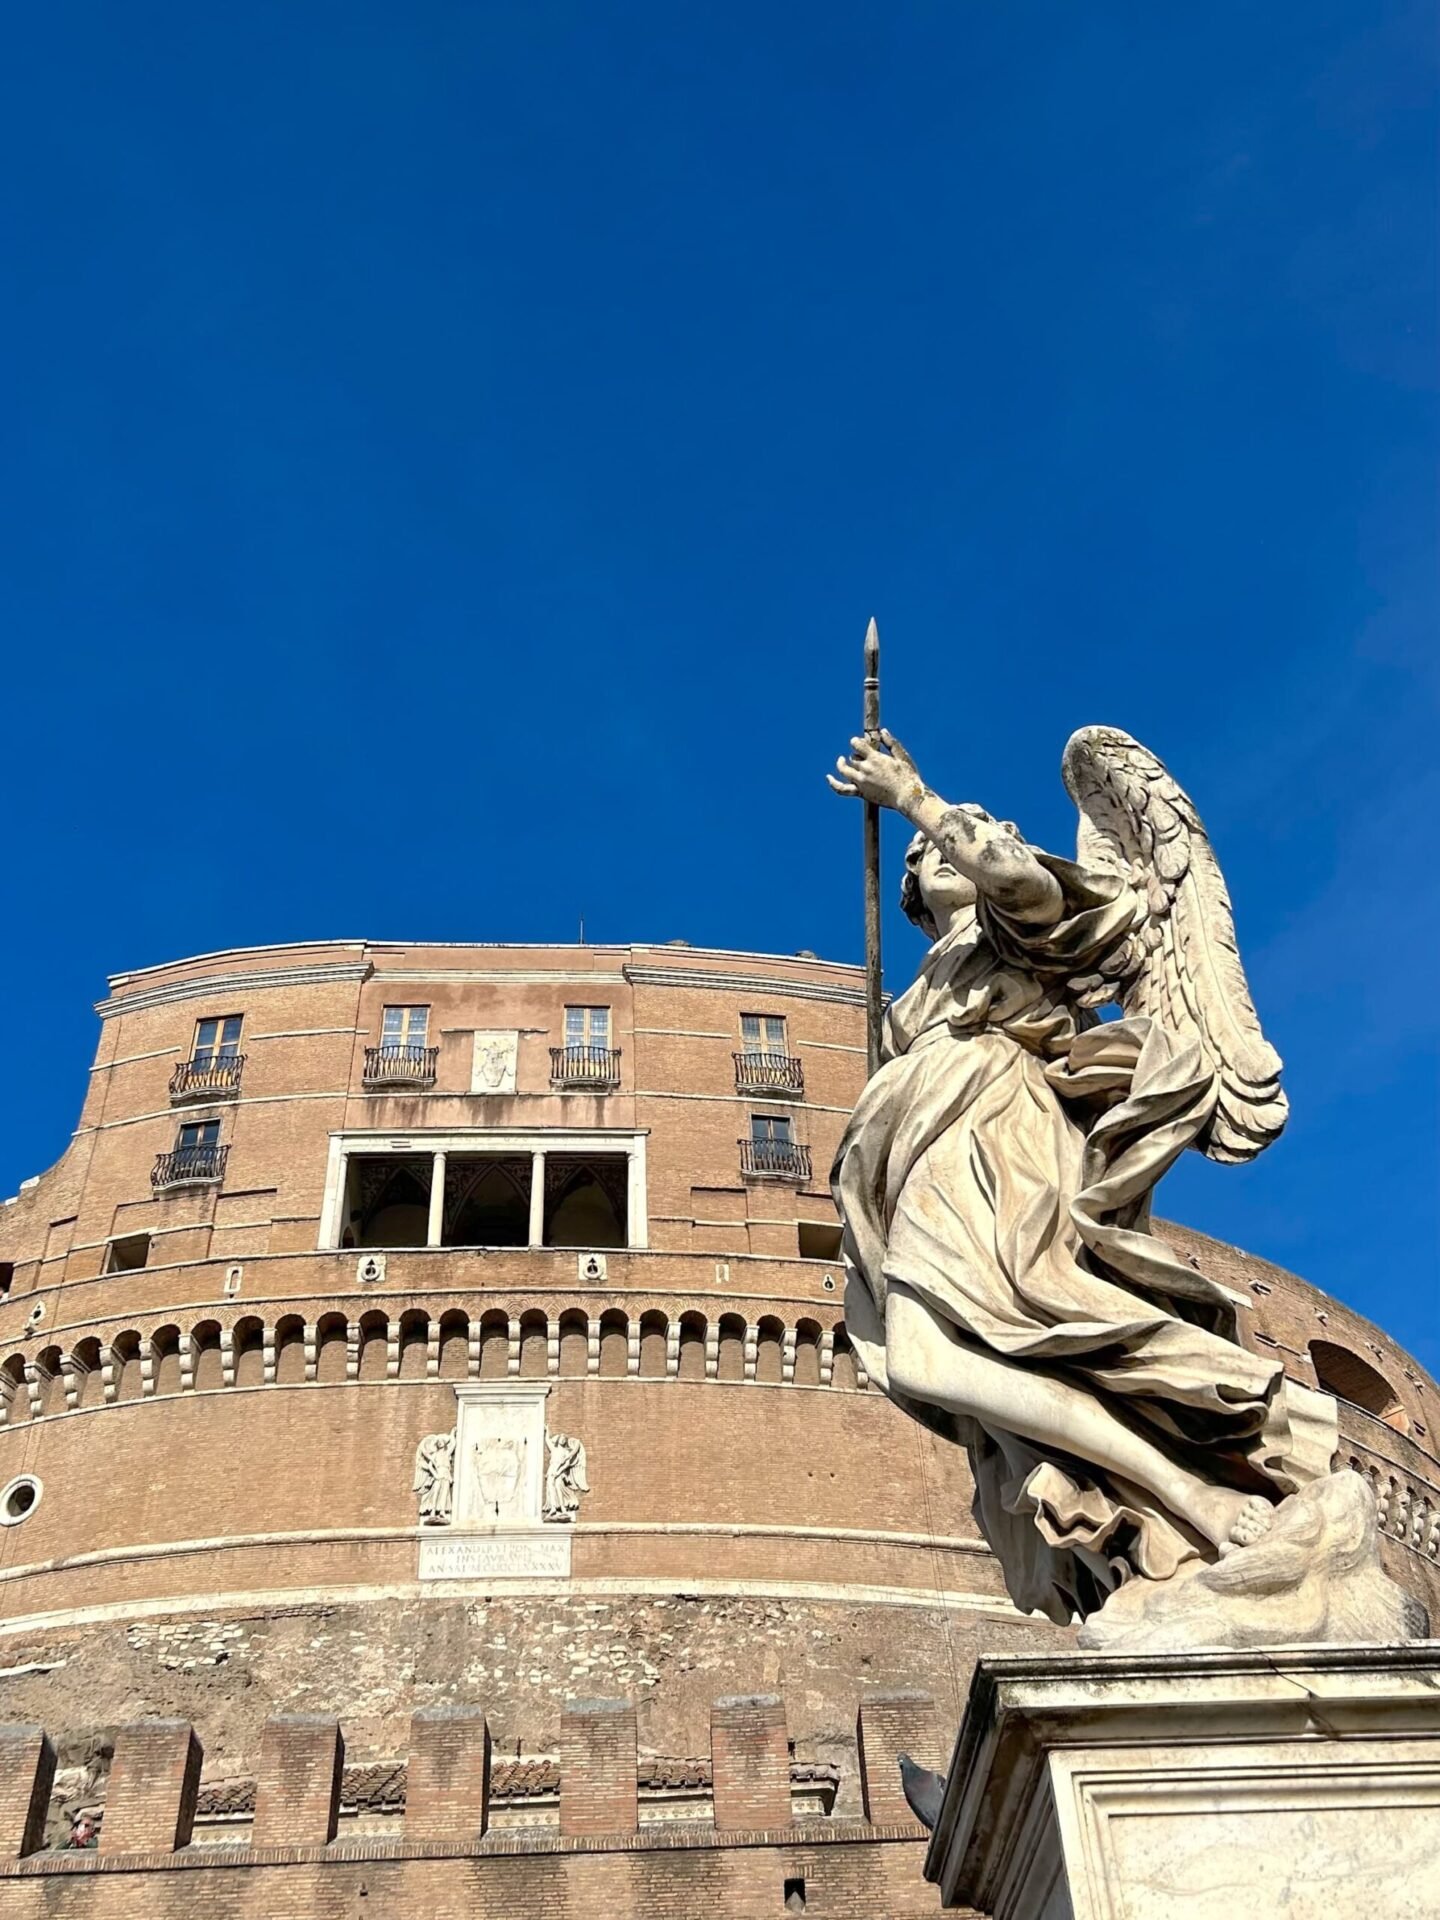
[451,451]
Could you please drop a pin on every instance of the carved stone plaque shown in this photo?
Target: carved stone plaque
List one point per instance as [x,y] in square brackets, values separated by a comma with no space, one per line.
[539,1555]
[499,1454]
[492,1063]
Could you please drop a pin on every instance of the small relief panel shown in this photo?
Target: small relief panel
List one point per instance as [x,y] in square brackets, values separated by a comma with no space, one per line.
[490,1493]
[591,1266]
[492,1066]
[370,1268]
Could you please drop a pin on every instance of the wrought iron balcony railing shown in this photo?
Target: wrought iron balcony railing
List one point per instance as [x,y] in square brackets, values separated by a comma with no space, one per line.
[189,1167]
[775,1159]
[777,1073]
[585,1067]
[209,1076]
[400,1066]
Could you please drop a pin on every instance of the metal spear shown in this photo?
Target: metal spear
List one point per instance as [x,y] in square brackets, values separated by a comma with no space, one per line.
[873,988]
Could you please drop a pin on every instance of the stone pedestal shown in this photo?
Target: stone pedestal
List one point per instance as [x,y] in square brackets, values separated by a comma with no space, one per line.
[1291,1782]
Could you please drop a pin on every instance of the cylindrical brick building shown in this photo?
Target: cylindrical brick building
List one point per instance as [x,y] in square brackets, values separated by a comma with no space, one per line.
[314,1188]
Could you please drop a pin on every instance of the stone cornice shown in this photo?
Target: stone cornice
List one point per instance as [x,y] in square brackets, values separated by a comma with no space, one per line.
[236,981]
[765,983]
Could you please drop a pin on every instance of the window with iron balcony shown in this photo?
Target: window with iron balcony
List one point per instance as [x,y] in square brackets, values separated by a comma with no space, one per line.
[402,1058]
[772,1152]
[196,1160]
[215,1065]
[587,1059]
[764,1063]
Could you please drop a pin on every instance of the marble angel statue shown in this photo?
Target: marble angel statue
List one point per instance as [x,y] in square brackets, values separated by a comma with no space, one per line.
[434,1478]
[565,1477]
[1003,1282]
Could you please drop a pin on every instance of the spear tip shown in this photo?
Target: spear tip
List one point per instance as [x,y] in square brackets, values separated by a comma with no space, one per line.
[872,647]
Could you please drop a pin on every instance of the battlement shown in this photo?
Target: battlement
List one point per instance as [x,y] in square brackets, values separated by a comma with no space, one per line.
[597,1814]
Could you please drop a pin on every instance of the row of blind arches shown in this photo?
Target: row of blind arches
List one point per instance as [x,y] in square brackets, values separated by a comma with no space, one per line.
[413,1345]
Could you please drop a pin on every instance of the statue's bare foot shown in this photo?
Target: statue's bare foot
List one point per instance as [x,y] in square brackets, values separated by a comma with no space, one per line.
[1249,1525]
[1229,1519]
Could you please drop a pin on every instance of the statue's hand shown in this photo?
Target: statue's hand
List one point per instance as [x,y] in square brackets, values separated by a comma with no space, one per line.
[884,775]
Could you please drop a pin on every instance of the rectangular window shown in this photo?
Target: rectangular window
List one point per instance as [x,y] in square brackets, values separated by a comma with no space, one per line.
[217,1039]
[771,1127]
[587,1026]
[7,1278]
[128,1254]
[763,1033]
[198,1133]
[405,1027]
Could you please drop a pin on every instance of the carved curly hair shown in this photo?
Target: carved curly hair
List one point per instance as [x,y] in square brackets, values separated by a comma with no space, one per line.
[912,904]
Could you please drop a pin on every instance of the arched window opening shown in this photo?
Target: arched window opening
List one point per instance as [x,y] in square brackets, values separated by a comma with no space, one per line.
[165,1355]
[614,1345]
[692,1347]
[842,1373]
[414,1338]
[1349,1378]
[125,1365]
[487,1202]
[768,1368]
[52,1381]
[807,1354]
[290,1351]
[454,1346]
[574,1344]
[374,1339]
[87,1366]
[585,1201]
[248,1350]
[494,1346]
[387,1202]
[206,1370]
[533,1334]
[653,1330]
[17,1394]
[732,1348]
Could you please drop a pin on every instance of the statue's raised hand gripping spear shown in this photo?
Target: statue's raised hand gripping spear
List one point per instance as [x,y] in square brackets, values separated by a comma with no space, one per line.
[995,1182]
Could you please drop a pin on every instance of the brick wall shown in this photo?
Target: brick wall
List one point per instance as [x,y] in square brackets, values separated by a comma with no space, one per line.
[599,1861]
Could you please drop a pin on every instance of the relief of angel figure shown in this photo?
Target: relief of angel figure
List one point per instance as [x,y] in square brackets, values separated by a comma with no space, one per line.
[565,1479]
[1003,1282]
[434,1480]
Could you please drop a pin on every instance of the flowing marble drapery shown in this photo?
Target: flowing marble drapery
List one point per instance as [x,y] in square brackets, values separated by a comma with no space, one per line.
[1000,1164]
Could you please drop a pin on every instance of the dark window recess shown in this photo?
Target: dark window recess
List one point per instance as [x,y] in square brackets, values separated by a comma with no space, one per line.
[795,1895]
[819,1242]
[586,1200]
[128,1254]
[387,1201]
[1348,1377]
[7,1278]
[487,1202]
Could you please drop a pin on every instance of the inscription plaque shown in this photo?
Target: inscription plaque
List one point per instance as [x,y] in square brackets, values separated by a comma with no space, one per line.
[497,1556]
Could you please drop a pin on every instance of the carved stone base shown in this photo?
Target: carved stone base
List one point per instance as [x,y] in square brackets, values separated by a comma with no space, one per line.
[1291,1784]
[1314,1577]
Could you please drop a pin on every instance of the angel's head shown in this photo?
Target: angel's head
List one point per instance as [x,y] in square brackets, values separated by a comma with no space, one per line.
[932,893]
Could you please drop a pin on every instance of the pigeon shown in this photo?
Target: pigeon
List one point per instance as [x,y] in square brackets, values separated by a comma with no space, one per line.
[923,1789]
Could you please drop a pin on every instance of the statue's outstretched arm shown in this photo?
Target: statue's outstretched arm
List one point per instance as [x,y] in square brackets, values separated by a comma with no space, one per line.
[987,852]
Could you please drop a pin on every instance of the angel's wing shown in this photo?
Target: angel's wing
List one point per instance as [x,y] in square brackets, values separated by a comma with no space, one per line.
[1136,821]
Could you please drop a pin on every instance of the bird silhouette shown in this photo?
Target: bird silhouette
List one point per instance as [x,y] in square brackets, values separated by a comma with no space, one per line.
[924,1790]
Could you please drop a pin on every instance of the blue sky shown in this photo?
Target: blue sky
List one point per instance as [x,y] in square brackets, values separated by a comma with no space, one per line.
[451,452]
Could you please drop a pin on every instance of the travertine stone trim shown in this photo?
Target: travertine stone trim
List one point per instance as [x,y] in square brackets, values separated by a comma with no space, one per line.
[768,984]
[236,982]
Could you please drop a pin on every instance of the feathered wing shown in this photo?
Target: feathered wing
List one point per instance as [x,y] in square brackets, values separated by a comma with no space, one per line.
[1184,967]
